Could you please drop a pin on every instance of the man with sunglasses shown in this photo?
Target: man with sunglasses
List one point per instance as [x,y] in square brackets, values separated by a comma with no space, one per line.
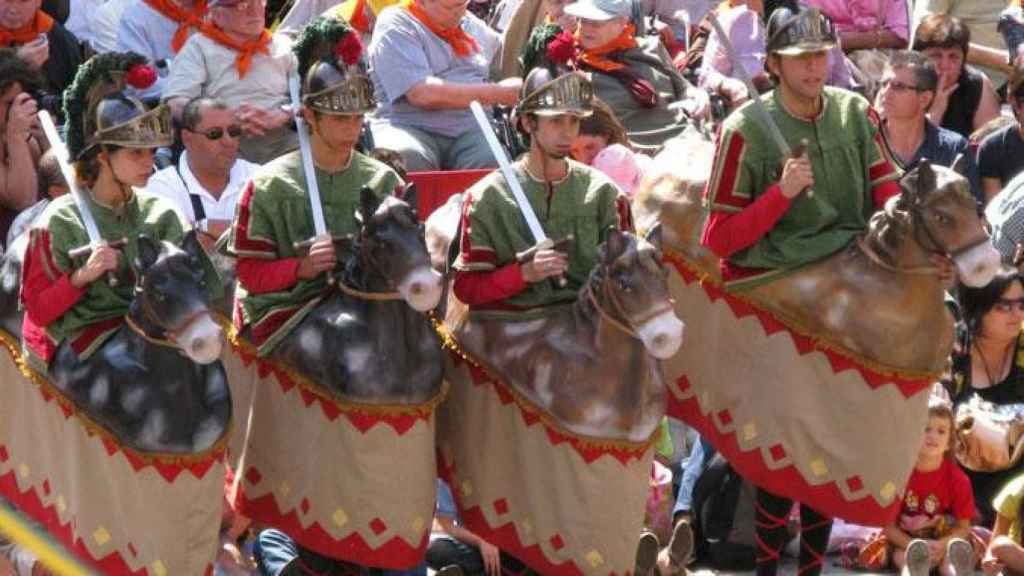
[1001,155]
[206,182]
[908,87]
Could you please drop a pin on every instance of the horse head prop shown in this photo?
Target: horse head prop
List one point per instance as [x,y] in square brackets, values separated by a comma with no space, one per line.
[390,253]
[935,215]
[628,290]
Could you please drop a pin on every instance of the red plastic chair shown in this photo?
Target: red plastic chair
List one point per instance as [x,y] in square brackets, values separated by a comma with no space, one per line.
[434,188]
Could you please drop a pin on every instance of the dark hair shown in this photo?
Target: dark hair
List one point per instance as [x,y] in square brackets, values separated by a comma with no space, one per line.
[15,70]
[192,113]
[48,174]
[941,31]
[87,168]
[977,302]
[604,122]
[941,408]
[926,78]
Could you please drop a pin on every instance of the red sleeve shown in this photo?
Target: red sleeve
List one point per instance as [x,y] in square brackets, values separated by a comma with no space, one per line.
[46,299]
[262,276]
[478,288]
[726,233]
[962,493]
[884,191]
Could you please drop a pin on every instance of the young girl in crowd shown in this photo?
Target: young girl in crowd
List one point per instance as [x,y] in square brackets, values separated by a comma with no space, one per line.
[1005,554]
[934,524]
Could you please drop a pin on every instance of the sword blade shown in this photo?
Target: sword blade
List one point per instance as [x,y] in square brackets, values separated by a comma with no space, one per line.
[61,152]
[313,188]
[506,170]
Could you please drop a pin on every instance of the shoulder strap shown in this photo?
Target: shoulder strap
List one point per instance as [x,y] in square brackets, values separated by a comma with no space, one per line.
[197,202]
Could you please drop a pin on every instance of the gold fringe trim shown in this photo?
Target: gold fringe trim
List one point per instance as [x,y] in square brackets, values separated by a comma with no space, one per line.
[94,428]
[449,342]
[820,342]
[343,404]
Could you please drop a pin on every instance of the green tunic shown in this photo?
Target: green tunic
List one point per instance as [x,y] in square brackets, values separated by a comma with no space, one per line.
[585,204]
[848,159]
[274,214]
[60,229]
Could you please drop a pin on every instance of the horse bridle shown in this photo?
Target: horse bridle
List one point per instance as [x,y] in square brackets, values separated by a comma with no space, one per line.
[916,214]
[170,335]
[628,324]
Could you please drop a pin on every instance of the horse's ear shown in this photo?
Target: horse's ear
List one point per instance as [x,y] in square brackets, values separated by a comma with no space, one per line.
[149,251]
[921,180]
[368,204]
[190,244]
[960,164]
[653,236]
[409,197]
[614,245]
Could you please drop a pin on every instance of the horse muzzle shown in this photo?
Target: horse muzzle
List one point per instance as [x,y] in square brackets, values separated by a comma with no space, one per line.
[202,340]
[977,265]
[422,288]
[662,335]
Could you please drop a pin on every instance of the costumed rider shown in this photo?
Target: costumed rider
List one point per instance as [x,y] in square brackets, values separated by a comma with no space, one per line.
[279,284]
[111,137]
[569,198]
[763,224]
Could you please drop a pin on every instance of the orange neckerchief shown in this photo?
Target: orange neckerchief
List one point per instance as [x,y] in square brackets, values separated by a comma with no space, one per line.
[186,19]
[41,24]
[353,12]
[462,44]
[246,50]
[596,58]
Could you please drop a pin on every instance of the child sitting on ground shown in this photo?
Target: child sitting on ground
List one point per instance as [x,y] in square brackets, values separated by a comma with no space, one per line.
[1005,555]
[934,525]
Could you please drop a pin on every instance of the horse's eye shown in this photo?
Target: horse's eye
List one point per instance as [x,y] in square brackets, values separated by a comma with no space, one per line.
[941,218]
[623,282]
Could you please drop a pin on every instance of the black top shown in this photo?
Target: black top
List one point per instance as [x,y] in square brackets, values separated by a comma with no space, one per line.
[1008,391]
[59,69]
[963,103]
[1001,154]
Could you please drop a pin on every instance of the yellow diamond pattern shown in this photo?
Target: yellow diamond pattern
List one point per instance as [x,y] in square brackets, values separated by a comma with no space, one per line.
[417,525]
[595,558]
[340,517]
[284,488]
[526,528]
[101,536]
[62,506]
[749,432]
[888,491]
[467,489]
[819,468]
[24,470]
[159,569]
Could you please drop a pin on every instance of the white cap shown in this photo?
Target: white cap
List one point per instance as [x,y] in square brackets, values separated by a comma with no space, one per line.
[599,9]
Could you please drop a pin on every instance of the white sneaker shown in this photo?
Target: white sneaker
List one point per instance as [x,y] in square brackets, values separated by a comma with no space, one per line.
[918,559]
[961,556]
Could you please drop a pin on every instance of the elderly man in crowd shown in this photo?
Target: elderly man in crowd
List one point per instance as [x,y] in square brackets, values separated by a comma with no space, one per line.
[907,89]
[1001,154]
[236,59]
[42,42]
[428,60]
[206,182]
[634,75]
[158,29]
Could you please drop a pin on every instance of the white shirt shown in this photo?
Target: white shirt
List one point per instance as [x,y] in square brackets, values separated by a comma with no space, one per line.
[168,184]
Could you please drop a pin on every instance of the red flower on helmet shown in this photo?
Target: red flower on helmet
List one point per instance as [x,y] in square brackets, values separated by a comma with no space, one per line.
[140,76]
[561,49]
[349,48]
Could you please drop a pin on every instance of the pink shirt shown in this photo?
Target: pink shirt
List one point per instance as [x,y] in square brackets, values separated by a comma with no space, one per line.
[866,15]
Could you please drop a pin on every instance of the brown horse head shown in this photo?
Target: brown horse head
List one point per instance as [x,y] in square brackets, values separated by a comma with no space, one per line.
[935,214]
[389,250]
[629,287]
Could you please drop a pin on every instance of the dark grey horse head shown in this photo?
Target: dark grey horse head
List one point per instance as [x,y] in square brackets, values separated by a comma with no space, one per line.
[632,286]
[390,251]
[171,296]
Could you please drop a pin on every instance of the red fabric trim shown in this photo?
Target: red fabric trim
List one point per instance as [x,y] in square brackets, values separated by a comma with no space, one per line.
[468,254]
[94,331]
[270,323]
[45,298]
[478,288]
[242,241]
[625,213]
[729,167]
[726,233]
[394,554]
[262,276]
[881,193]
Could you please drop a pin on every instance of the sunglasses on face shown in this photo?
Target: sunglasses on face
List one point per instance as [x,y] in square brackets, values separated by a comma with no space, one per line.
[214,134]
[899,86]
[1006,305]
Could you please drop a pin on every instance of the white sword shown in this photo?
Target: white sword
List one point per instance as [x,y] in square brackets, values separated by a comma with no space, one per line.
[542,240]
[63,160]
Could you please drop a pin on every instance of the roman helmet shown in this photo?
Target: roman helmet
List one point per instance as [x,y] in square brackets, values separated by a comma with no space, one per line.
[334,77]
[101,109]
[794,31]
[545,94]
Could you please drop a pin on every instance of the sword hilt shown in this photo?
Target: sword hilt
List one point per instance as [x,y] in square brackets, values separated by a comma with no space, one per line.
[798,151]
[305,245]
[85,250]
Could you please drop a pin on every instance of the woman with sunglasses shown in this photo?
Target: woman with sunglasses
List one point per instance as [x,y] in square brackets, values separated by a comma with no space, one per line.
[989,363]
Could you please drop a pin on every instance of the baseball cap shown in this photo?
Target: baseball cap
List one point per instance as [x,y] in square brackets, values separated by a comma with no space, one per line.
[599,9]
